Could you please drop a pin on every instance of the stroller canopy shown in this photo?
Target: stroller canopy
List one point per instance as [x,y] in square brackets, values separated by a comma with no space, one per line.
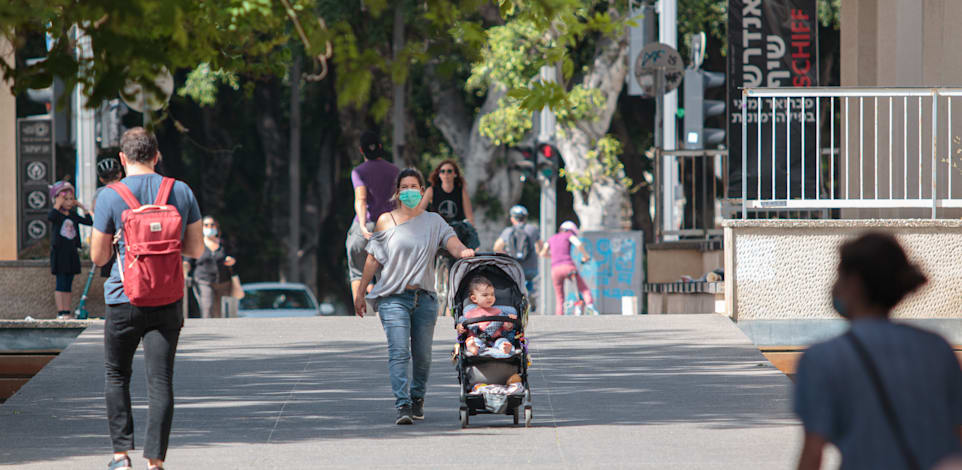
[463,267]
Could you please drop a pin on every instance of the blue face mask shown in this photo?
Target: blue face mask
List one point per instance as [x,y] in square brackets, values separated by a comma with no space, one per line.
[839,306]
[410,197]
[210,232]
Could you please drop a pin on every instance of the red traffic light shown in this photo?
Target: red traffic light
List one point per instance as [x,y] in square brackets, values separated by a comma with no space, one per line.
[547,150]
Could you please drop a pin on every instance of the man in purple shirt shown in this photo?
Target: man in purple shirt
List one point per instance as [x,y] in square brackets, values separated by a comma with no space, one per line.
[374,182]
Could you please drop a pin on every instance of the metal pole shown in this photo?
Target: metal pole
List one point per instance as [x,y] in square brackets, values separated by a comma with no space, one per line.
[85,132]
[548,206]
[935,144]
[745,158]
[668,164]
[668,34]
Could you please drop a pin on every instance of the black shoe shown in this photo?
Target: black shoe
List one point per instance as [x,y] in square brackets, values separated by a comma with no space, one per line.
[404,415]
[417,408]
[122,464]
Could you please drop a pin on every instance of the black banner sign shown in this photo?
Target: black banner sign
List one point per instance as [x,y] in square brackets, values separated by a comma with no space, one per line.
[772,43]
[35,173]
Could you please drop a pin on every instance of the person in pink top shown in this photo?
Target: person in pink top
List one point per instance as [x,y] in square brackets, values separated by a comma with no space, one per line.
[486,334]
[558,249]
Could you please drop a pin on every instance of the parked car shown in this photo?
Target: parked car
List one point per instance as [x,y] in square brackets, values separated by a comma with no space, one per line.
[280,299]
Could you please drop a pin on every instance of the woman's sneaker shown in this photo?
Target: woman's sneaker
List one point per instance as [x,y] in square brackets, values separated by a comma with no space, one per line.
[404,415]
[417,408]
[122,464]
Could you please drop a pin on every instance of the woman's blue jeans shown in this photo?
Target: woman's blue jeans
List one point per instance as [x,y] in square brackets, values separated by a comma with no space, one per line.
[408,319]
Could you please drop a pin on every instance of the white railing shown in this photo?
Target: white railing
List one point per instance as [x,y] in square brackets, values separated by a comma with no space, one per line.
[878,148]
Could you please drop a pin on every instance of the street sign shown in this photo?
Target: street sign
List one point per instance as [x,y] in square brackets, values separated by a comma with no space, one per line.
[654,58]
[138,97]
[35,170]
[36,230]
[37,200]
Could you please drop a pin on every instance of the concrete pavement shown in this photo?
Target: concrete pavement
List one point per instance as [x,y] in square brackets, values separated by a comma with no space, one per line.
[679,392]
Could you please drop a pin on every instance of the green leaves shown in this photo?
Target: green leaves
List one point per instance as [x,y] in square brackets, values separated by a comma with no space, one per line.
[602,164]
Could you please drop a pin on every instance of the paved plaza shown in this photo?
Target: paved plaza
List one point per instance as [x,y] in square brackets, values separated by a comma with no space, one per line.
[665,392]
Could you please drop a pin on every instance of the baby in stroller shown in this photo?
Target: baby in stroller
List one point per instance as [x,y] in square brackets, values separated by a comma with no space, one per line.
[489,337]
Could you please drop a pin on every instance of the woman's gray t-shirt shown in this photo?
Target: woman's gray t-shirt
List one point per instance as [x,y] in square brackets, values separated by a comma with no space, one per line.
[835,398]
[406,253]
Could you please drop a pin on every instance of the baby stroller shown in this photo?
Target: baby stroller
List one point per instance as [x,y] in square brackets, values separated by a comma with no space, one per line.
[497,397]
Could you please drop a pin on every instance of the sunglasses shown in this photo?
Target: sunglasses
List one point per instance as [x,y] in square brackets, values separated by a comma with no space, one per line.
[446,171]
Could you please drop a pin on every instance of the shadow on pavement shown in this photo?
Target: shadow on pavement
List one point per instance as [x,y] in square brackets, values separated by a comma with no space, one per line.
[338,390]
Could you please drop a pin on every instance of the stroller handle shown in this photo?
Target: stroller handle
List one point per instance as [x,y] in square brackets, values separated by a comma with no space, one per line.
[503,318]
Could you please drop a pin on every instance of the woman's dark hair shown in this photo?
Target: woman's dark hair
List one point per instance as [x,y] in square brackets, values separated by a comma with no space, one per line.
[406,173]
[884,269]
[435,177]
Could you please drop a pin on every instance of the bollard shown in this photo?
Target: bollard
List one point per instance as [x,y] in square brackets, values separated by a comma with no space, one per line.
[629,305]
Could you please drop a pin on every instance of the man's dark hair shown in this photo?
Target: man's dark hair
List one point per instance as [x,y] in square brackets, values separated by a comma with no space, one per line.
[139,145]
[371,145]
[879,262]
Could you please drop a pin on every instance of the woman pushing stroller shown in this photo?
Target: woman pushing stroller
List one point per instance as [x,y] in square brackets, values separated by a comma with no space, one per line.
[401,252]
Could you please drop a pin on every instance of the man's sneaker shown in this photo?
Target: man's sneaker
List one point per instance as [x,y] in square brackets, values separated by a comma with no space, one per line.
[122,464]
[417,408]
[404,415]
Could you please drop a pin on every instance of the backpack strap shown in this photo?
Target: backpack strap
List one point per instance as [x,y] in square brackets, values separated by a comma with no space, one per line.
[898,432]
[125,194]
[166,185]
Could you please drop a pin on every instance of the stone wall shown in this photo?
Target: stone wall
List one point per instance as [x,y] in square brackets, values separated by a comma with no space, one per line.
[26,289]
[784,269]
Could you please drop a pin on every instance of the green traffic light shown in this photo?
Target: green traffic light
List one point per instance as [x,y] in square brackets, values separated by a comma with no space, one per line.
[680,113]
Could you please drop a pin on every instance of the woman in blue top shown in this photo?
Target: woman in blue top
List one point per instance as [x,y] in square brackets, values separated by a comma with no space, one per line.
[401,252]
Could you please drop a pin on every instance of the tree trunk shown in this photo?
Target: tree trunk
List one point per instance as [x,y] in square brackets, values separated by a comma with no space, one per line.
[492,181]
[267,98]
[605,204]
[294,175]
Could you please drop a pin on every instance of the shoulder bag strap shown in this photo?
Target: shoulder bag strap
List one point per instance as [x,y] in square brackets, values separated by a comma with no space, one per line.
[125,194]
[887,407]
[164,193]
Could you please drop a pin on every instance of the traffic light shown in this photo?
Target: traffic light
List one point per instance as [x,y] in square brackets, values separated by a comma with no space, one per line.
[547,163]
[527,164]
[698,109]
[40,99]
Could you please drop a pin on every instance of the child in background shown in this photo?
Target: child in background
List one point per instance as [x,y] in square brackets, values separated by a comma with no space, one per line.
[487,334]
[65,242]
[109,171]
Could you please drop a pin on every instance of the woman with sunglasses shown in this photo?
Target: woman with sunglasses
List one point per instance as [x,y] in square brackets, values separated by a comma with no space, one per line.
[448,196]
[211,272]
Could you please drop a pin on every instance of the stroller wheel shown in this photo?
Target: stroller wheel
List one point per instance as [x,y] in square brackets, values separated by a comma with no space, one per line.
[464,417]
[517,412]
[527,416]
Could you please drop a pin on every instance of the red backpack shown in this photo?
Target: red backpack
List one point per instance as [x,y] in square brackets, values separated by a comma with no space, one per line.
[151,269]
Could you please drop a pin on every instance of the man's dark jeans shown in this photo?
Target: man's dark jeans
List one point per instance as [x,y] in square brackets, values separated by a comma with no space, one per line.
[160,329]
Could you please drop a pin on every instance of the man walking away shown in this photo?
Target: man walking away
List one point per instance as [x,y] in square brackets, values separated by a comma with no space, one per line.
[144,291]
[522,241]
[374,182]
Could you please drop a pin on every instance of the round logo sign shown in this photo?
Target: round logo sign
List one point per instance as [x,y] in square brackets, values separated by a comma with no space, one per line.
[36,229]
[654,57]
[37,129]
[37,200]
[36,171]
